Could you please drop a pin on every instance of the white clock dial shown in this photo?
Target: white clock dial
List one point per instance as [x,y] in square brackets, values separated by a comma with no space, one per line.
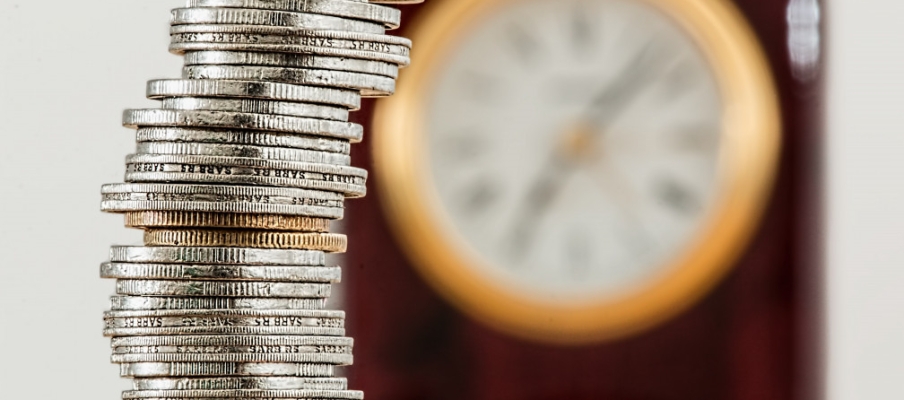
[574,145]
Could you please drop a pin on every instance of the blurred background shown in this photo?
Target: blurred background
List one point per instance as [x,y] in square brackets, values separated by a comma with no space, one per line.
[520,239]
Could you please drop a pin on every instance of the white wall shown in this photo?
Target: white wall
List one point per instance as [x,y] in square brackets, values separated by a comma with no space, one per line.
[67,68]
[866,200]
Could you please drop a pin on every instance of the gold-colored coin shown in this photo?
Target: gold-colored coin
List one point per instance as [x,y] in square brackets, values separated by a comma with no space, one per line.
[327,242]
[187,219]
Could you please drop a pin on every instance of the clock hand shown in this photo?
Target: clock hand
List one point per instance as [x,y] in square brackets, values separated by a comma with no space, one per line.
[606,106]
[571,149]
[615,98]
[540,196]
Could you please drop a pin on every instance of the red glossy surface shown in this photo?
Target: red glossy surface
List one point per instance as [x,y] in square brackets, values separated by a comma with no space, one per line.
[756,337]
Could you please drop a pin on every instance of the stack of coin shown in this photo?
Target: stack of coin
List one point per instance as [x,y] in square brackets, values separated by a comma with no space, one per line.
[235,181]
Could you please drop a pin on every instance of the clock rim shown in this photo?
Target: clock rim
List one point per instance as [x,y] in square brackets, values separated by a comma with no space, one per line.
[750,155]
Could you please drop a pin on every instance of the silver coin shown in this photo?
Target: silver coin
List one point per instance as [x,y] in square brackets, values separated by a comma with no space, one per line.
[244,16]
[225,369]
[323,37]
[255,106]
[273,39]
[224,193]
[242,151]
[216,255]
[278,344]
[350,190]
[205,349]
[225,322]
[163,134]
[244,313]
[119,198]
[163,88]
[221,272]
[315,358]
[225,330]
[119,206]
[326,169]
[235,120]
[319,43]
[305,44]
[388,16]
[369,85]
[236,170]
[245,394]
[231,383]
[221,289]
[181,47]
[137,303]
[287,60]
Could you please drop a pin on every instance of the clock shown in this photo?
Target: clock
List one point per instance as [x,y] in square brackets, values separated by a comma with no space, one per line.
[573,171]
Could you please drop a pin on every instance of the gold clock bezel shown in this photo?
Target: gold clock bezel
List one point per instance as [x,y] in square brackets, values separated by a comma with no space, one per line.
[751,137]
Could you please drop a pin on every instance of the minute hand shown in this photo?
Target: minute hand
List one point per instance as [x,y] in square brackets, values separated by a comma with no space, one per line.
[605,107]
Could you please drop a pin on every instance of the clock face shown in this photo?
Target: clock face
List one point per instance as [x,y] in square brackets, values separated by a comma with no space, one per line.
[574,144]
[577,170]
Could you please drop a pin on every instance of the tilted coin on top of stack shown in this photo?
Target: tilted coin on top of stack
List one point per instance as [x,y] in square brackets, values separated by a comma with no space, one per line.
[235,181]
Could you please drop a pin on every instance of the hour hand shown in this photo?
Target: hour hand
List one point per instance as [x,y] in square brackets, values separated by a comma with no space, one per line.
[540,197]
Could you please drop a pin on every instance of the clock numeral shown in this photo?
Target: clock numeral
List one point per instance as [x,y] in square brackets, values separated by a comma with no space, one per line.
[480,86]
[637,240]
[676,196]
[662,51]
[583,28]
[463,146]
[525,45]
[698,139]
[680,79]
[578,253]
[478,196]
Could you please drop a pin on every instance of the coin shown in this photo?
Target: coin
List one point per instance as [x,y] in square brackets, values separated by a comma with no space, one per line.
[359,10]
[237,120]
[256,106]
[251,138]
[242,151]
[243,170]
[266,343]
[288,60]
[163,88]
[224,322]
[225,369]
[182,219]
[227,383]
[326,242]
[210,255]
[136,303]
[221,199]
[220,272]
[245,394]
[328,38]
[315,358]
[369,85]
[243,16]
[223,330]
[120,206]
[221,289]
[319,43]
